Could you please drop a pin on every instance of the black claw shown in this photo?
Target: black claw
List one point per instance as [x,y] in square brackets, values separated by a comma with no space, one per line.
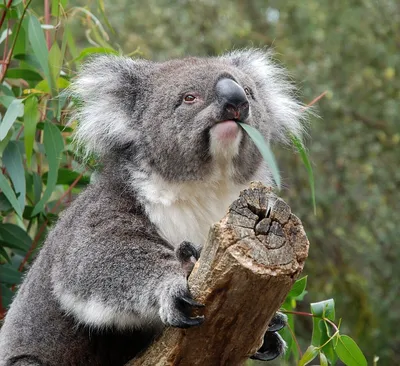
[188,300]
[278,322]
[190,322]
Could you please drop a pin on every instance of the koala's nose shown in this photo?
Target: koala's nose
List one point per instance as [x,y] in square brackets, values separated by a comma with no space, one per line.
[234,100]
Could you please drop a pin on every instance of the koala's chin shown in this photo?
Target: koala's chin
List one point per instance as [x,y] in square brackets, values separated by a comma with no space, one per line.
[225,138]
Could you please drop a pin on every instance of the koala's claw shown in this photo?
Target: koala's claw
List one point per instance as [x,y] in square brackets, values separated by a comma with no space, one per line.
[192,302]
[273,345]
[180,310]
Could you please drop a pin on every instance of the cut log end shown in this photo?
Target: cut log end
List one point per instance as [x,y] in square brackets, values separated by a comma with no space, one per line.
[246,269]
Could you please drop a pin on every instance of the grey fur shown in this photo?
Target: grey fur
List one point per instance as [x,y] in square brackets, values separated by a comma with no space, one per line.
[108,279]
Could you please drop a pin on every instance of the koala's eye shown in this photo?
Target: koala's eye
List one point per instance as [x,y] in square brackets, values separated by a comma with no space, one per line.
[248,91]
[189,98]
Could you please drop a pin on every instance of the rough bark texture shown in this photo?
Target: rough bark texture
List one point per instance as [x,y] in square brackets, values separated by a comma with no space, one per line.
[246,269]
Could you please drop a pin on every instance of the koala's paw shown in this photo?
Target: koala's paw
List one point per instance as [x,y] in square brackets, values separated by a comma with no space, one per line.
[273,345]
[177,306]
[187,255]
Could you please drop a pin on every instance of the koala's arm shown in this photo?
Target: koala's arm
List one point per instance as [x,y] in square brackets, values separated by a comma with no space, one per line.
[112,269]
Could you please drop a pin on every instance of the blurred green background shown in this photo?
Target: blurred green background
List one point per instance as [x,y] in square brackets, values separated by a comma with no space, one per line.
[351,50]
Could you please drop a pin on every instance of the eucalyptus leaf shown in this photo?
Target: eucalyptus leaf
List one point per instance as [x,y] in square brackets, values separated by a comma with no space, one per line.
[38,43]
[54,145]
[349,353]
[12,160]
[9,274]
[15,110]
[300,148]
[265,151]
[309,355]
[32,116]
[9,193]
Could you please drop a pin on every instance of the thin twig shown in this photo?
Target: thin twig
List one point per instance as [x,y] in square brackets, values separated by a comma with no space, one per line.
[3,15]
[315,100]
[7,61]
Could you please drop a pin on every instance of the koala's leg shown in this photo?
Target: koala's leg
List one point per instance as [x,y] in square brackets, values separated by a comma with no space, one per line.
[127,280]
[273,345]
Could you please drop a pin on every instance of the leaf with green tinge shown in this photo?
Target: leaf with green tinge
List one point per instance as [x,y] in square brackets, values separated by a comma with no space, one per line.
[12,160]
[4,254]
[15,109]
[6,296]
[38,43]
[66,176]
[348,352]
[53,145]
[31,118]
[265,151]
[9,274]
[25,74]
[44,87]
[9,193]
[12,236]
[55,61]
[86,52]
[324,309]
[308,355]
[306,161]
[298,287]
[323,361]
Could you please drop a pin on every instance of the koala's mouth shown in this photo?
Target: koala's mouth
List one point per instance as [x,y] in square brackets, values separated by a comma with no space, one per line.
[226,131]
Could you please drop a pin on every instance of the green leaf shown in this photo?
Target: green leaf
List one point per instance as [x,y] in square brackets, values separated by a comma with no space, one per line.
[43,86]
[9,275]
[12,160]
[62,128]
[323,361]
[25,74]
[29,59]
[9,193]
[53,145]
[31,118]
[38,43]
[4,204]
[6,296]
[308,356]
[298,287]
[12,236]
[324,309]
[4,254]
[300,148]
[66,176]
[265,151]
[349,353]
[16,109]
[94,50]
[55,61]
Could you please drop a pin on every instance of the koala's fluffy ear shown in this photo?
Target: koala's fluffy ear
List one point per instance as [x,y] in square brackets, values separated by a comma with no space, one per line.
[277,92]
[108,89]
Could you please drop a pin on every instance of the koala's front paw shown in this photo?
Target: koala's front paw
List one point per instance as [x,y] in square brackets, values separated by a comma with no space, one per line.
[187,255]
[273,345]
[177,307]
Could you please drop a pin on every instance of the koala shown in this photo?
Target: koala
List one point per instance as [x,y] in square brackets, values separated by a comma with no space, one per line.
[113,271]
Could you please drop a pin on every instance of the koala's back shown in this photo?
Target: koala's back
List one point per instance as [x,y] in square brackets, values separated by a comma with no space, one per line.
[36,310]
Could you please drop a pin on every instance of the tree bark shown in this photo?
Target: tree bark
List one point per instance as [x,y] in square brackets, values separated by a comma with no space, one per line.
[246,269]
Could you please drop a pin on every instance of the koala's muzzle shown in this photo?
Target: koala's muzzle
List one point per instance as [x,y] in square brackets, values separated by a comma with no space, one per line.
[233,99]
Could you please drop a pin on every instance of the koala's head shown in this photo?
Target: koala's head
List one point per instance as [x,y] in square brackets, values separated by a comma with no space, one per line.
[178,118]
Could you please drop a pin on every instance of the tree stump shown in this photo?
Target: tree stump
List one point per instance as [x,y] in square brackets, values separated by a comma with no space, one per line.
[246,269]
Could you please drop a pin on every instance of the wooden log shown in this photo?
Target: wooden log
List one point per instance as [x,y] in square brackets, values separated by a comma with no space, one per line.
[245,271]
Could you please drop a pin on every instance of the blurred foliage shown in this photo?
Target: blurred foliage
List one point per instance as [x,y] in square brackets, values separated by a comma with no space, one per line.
[349,48]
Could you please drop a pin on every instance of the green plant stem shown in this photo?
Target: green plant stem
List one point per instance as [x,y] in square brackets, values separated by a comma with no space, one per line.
[7,61]
[302,313]
[3,15]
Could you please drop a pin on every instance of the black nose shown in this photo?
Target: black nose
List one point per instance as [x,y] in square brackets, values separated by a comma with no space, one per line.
[234,100]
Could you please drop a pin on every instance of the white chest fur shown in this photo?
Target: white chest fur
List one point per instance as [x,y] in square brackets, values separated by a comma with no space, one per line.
[185,211]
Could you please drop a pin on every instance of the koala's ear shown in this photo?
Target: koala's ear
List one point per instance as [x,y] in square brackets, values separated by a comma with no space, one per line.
[108,89]
[286,113]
